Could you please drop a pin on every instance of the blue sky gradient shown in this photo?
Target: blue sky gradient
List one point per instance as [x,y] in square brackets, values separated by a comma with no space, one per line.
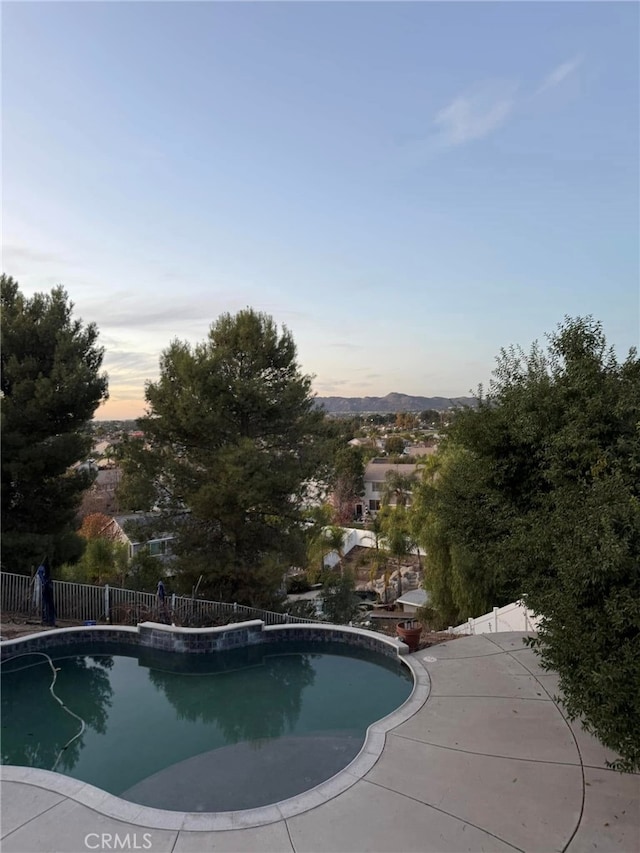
[407,186]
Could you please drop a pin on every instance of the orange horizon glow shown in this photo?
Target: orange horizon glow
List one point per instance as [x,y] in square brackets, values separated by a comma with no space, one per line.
[120,410]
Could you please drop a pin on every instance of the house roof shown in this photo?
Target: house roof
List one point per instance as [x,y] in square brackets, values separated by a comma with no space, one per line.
[420,450]
[415,598]
[143,517]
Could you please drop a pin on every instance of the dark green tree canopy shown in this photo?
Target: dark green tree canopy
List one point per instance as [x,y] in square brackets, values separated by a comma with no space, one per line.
[537,494]
[51,386]
[398,487]
[394,445]
[347,481]
[232,435]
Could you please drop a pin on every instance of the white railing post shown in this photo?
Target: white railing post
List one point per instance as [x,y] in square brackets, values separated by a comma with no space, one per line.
[106,603]
[495,619]
[471,625]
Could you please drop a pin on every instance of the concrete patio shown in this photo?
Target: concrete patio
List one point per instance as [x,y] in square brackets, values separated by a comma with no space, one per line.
[487,763]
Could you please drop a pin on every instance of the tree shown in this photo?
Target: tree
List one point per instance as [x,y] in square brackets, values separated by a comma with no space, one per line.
[406,420]
[340,604]
[431,417]
[393,445]
[51,385]
[105,558]
[397,538]
[103,561]
[144,571]
[334,537]
[317,519]
[232,438]
[455,521]
[97,525]
[348,482]
[397,488]
[538,495]
[376,534]
[141,486]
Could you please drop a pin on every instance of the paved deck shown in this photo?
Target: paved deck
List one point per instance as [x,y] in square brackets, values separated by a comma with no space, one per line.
[488,763]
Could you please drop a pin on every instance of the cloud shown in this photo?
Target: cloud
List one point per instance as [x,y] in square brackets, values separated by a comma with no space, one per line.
[128,372]
[143,311]
[559,74]
[153,318]
[122,360]
[475,114]
[186,312]
[482,110]
[24,254]
[329,386]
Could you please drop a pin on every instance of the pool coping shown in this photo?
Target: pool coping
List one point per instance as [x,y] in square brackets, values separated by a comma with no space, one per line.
[145,816]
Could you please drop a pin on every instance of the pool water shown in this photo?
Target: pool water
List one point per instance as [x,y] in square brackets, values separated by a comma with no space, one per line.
[221,732]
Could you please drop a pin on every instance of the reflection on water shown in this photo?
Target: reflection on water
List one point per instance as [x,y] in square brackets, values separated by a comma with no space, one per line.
[266,706]
[35,727]
[147,711]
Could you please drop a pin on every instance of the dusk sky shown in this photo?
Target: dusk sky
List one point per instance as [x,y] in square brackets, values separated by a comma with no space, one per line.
[408,187]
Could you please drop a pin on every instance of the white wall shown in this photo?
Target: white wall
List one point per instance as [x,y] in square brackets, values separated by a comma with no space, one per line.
[511,617]
[352,538]
[355,536]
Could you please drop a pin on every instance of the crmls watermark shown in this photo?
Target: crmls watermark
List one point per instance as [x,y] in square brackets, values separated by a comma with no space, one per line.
[114,841]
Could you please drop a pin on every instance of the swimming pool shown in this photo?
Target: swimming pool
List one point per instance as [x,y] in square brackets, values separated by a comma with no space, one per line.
[217,732]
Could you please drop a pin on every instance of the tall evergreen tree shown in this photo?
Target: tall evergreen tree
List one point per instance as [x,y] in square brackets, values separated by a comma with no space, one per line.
[347,483]
[51,385]
[233,437]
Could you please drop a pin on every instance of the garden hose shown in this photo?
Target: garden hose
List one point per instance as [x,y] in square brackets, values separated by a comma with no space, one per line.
[55,672]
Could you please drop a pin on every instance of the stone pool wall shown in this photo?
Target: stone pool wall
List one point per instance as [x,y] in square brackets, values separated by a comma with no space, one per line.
[44,640]
[152,635]
[200,640]
[334,634]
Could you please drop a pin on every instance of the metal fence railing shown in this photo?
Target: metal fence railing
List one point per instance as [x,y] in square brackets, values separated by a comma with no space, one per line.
[17,594]
[79,600]
[88,602]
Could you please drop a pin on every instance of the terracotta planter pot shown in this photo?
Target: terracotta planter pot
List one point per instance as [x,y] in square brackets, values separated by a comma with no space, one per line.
[409,632]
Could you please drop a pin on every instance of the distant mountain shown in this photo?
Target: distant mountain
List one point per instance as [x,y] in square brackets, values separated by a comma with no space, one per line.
[391,403]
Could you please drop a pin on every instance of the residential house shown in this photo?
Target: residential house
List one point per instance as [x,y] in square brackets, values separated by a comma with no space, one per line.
[101,495]
[159,545]
[375,477]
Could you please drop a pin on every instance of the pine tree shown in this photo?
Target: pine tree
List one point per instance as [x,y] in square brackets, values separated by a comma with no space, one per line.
[232,440]
[51,385]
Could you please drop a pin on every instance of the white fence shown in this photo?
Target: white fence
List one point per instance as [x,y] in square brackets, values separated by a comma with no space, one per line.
[86,602]
[511,617]
[356,536]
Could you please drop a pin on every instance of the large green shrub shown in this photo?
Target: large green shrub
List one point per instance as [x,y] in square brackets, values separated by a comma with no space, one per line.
[340,604]
[537,494]
[298,584]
